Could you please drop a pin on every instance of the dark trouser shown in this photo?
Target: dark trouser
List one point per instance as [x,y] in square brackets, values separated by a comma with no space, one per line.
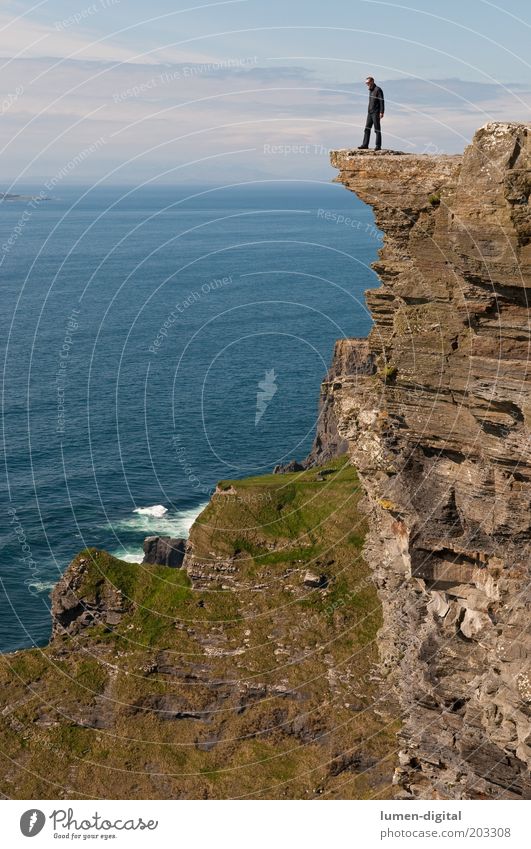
[373,119]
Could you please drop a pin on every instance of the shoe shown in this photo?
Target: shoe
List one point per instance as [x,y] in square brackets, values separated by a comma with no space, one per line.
[377,148]
[363,147]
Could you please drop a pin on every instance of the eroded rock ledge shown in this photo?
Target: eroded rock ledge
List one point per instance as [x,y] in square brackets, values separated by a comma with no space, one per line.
[440,435]
[351,357]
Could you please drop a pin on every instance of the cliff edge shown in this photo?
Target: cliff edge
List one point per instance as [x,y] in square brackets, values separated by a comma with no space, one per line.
[440,436]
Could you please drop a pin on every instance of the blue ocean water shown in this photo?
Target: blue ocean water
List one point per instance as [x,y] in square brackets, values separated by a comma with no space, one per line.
[155,341]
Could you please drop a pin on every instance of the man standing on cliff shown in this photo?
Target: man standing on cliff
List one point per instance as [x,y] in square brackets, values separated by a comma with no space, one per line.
[374,114]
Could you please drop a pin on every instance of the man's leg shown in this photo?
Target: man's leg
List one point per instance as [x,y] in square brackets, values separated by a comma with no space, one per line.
[376,121]
[367,133]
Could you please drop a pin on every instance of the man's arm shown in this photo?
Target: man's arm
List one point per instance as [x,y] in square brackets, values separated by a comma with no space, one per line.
[382,103]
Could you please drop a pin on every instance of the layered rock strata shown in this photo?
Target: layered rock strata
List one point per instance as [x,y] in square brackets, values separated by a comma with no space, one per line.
[440,435]
[351,357]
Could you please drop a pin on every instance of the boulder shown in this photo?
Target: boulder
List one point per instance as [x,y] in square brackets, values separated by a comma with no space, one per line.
[315,581]
[164,551]
[291,466]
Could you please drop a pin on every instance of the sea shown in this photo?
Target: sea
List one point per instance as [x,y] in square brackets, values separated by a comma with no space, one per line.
[156,340]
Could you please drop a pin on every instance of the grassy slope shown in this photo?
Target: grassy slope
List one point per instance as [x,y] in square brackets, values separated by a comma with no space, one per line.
[250,683]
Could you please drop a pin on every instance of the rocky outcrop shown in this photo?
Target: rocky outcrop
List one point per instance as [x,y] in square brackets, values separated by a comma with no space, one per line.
[351,358]
[164,551]
[78,602]
[288,468]
[440,435]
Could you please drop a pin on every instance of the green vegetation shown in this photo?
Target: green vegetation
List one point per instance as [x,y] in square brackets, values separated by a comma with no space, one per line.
[434,199]
[237,676]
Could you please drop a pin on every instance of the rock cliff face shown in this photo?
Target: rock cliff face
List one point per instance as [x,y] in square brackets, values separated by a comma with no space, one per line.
[165,551]
[440,435]
[351,357]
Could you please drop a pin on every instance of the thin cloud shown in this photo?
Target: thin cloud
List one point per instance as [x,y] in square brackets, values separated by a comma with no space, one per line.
[170,113]
[23,35]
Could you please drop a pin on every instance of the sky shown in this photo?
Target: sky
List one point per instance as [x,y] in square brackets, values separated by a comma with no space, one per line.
[172,91]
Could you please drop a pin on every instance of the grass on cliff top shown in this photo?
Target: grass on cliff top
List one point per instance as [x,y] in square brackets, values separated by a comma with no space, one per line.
[270,521]
[73,715]
[292,511]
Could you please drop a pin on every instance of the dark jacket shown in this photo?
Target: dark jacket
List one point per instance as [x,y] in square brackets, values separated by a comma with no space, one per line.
[376,99]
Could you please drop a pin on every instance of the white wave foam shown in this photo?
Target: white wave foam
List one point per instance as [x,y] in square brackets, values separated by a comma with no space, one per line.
[129,556]
[42,586]
[158,510]
[176,524]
